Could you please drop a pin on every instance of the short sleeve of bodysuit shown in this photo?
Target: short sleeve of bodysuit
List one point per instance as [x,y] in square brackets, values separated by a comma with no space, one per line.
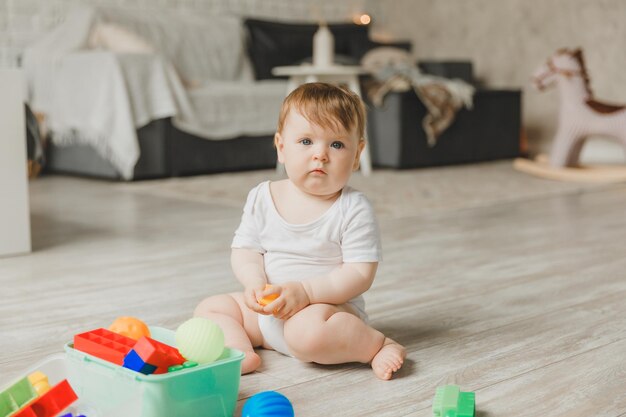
[247,234]
[360,241]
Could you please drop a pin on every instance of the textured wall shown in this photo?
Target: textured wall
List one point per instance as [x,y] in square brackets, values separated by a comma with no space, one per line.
[508,39]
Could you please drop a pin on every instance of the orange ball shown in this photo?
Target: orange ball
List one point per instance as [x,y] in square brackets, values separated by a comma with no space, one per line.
[268,298]
[130,327]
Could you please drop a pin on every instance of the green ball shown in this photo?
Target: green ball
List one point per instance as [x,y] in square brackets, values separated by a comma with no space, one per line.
[200,340]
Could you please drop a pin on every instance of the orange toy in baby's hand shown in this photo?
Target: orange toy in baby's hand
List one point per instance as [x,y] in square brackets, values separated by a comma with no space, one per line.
[268,298]
[130,327]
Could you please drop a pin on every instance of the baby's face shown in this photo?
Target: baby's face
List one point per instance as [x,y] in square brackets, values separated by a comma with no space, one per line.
[318,160]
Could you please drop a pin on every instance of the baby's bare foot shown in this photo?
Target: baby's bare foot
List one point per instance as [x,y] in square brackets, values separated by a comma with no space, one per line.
[250,362]
[389,359]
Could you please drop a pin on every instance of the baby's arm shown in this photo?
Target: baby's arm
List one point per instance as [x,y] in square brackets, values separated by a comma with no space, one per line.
[249,269]
[342,284]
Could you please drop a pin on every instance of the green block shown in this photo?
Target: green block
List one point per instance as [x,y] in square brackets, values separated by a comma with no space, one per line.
[174,368]
[451,402]
[6,405]
[16,396]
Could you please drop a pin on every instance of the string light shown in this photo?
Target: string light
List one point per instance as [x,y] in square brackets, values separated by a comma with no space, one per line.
[362,19]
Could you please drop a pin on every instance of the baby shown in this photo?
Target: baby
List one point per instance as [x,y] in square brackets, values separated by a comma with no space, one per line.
[314,239]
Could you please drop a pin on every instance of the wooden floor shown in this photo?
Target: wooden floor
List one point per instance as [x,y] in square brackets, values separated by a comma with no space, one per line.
[512,287]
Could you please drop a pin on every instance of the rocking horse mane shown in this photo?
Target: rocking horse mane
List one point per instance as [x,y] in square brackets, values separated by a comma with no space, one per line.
[578,55]
[600,107]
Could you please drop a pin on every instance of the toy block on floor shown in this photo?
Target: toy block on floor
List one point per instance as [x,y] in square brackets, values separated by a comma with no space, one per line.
[136,363]
[158,354]
[104,344]
[16,396]
[57,399]
[451,402]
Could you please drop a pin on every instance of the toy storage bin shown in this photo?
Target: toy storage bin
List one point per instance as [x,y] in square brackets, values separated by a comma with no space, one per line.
[55,368]
[208,390]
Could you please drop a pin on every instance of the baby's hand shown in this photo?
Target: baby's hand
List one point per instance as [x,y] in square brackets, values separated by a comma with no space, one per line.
[292,298]
[251,295]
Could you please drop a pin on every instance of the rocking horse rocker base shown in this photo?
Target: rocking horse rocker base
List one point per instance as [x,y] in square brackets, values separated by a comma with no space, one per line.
[540,167]
[580,117]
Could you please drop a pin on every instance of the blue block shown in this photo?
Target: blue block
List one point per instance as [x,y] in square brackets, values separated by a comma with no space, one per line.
[133,361]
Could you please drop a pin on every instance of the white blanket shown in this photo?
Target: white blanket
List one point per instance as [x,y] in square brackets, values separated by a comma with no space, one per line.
[100,97]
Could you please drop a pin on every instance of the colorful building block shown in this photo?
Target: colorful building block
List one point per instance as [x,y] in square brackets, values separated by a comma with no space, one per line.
[133,361]
[104,344]
[158,354]
[451,402]
[16,396]
[57,399]
[39,381]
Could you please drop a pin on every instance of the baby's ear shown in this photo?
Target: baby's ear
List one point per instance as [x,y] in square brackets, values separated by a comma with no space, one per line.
[279,145]
[357,158]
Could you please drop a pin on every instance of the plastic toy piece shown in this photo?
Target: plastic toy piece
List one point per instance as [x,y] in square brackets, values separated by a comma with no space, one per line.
[185,365]
[16,396]
[136,363]
[39,381]
[130,327]
[451,402]
[57,399]
[268,298]
[268,404]
[175,368]
[159,354]
[104,344]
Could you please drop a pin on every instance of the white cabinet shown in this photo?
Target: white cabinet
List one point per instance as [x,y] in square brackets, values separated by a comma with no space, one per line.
[14,207]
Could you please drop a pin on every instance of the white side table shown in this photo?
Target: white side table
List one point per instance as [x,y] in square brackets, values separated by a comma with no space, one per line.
[336,74]
[14,207]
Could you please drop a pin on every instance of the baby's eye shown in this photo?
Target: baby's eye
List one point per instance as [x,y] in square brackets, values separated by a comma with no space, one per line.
[305,141]
[337,145]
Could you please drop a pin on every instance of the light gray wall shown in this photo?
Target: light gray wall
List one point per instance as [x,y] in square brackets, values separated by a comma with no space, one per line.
[508,39]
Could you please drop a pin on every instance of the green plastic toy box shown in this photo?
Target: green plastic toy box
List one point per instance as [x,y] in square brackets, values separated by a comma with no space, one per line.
[105,389]
[208,390]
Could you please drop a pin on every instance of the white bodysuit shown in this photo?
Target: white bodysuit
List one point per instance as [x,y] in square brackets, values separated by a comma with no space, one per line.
[346,232]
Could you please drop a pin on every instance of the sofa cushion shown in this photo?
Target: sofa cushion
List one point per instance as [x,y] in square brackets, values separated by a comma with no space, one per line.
[272,44]
[202,48]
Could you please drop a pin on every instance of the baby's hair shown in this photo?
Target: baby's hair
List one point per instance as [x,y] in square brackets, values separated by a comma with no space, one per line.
[326,105]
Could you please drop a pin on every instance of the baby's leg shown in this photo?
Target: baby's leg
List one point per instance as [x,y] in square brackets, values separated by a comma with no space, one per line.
[330,334]
[239,323]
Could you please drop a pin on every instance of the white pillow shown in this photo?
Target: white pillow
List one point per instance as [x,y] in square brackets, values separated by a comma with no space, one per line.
[115,38]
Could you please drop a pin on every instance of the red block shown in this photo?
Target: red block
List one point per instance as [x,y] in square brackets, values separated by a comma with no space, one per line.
[158,354]
[57,399]
[104,344]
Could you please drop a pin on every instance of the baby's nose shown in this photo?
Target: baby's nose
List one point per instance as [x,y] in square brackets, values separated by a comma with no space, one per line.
[321,154]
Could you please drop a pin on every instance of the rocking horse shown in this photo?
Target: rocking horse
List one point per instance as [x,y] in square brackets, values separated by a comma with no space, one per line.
[580,116]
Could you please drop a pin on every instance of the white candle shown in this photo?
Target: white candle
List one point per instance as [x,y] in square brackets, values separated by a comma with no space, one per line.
[323,47]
